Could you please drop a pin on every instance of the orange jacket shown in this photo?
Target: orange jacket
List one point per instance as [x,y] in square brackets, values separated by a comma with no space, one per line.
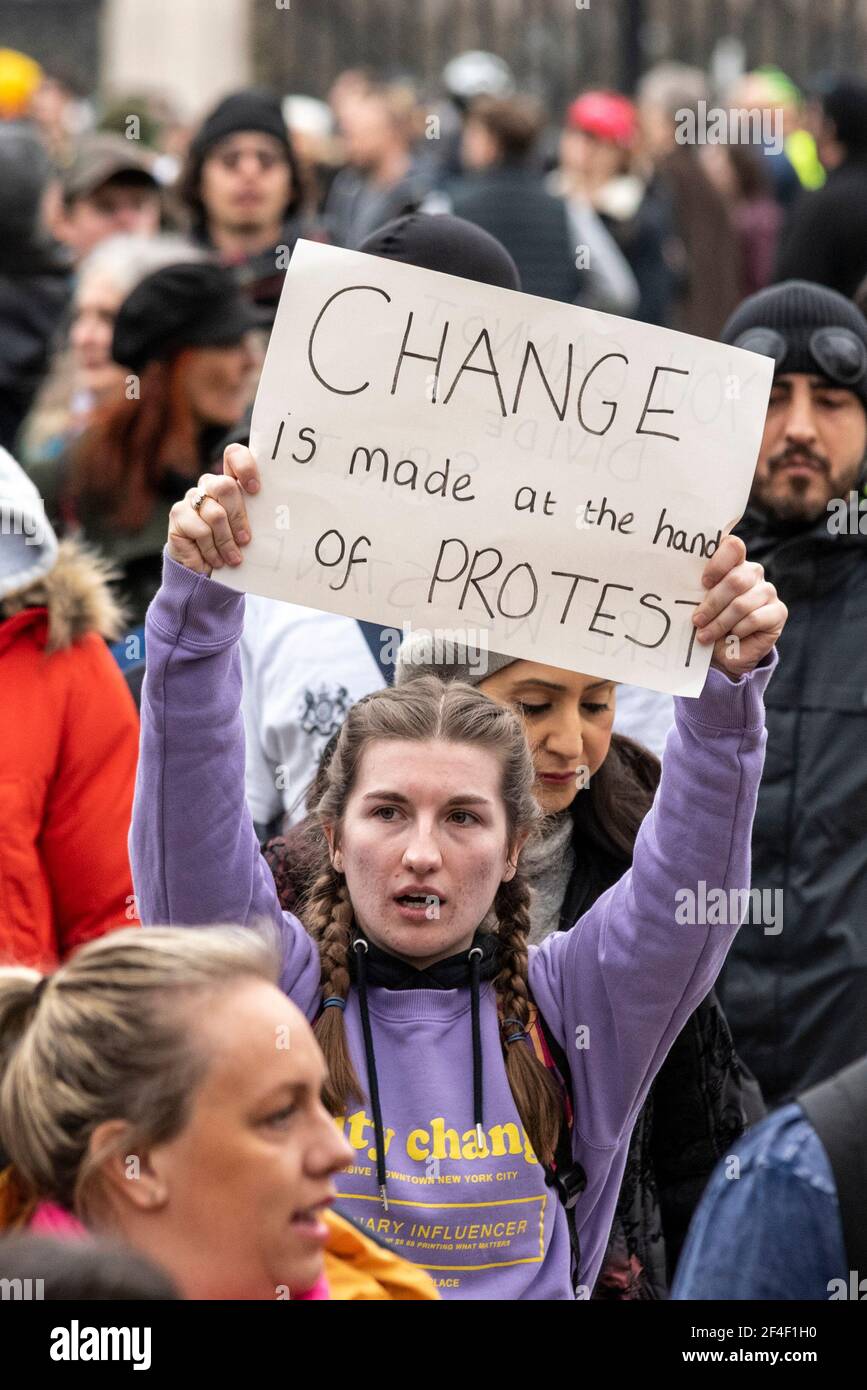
[68,749]
[359,1270]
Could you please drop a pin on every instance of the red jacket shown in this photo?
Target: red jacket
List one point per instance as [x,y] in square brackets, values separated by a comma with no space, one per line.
[68,749]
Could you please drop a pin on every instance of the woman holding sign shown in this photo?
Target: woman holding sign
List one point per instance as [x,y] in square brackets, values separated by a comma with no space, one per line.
[413,957]
[595,788]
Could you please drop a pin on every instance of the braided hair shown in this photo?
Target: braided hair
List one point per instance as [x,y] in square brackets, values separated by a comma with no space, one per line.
[328,913]
[424,710]
[530,1082]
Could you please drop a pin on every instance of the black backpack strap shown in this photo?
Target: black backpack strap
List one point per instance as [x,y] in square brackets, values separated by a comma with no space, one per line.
[567,1175]
[375,637]
[837,1110]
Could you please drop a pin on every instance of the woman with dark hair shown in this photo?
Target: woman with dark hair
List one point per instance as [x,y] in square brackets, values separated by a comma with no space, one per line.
[413,955]
[183,335]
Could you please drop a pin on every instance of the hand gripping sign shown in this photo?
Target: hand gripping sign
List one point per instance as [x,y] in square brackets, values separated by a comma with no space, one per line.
[448,455]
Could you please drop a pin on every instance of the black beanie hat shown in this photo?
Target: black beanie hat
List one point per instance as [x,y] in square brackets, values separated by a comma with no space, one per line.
[193,304]
[441,242]
[247,110]
[796,309]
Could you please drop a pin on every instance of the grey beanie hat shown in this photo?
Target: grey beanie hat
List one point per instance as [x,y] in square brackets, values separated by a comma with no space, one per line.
[439,653]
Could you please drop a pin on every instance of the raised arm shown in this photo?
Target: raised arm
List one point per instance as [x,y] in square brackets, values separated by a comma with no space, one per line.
[194,852]
[619,986]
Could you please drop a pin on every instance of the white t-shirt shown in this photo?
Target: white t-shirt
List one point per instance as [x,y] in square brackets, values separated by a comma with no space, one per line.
[645,715]
[303,669]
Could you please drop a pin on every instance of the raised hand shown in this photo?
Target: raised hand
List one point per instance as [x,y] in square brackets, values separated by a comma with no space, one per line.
[207,529]
[739,603]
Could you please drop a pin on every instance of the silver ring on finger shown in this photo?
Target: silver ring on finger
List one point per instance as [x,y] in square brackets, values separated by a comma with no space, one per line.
[198,499]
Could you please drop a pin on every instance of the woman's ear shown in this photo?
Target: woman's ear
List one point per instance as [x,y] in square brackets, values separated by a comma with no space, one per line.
[126,1171]
[514,854]
[336,856]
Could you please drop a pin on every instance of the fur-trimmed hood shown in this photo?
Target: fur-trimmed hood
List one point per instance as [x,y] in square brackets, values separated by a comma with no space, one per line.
[77,595]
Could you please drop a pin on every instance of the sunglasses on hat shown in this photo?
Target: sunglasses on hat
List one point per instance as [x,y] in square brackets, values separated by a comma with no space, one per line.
[838,352]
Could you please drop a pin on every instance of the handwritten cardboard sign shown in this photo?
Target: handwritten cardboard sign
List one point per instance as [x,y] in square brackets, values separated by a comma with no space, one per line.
[526,476]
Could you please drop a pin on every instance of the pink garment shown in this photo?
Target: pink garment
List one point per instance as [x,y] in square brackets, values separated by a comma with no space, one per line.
[49,1219]
[319,1290]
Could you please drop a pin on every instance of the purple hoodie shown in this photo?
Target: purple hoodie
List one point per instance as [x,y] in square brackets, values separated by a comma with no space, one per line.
[615,990]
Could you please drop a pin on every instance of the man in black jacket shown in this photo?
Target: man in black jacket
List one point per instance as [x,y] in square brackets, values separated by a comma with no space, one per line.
[795,985]
[505,195]
[825,237]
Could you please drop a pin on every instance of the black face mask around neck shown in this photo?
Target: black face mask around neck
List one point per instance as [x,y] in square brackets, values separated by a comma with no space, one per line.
[390,972]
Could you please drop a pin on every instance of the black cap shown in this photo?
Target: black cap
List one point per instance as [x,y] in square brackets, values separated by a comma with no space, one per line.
[796,309]
[247,110]
[194,304]
[441,242]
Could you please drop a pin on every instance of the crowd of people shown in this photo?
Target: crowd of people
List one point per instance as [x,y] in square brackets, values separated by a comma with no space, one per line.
[240,1056]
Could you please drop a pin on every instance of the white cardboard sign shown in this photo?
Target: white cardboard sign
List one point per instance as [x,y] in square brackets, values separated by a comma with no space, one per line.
[495,468]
